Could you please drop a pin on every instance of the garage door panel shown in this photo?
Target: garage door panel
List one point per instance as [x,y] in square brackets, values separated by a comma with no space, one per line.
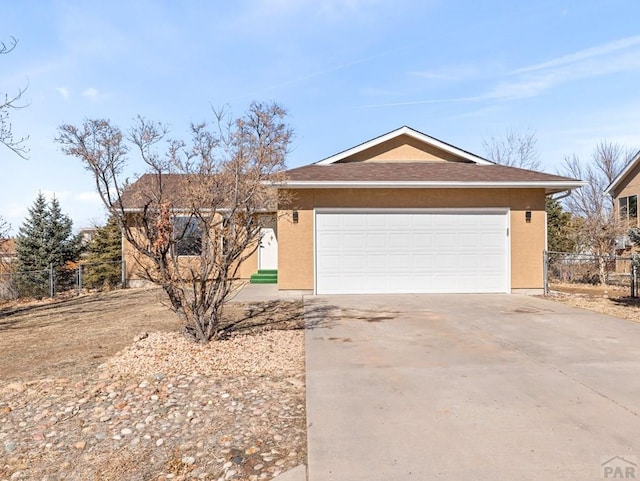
[422,239]
[490,261]
[399,221]
[376,240]
[444,239]
[468,241]
[374,221]
[395,252]
[353,240]
[422,262]
[471,262]
[375,263]
[400,261]
[327,222]
[399,241]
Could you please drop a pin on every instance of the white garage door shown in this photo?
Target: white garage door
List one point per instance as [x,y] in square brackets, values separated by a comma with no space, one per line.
[368,252]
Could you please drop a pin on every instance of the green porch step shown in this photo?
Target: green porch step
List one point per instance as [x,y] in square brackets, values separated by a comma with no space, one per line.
[265,276]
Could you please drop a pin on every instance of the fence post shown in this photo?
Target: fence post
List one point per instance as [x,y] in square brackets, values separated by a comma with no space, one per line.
[545,259]
[79,279]
[52,281]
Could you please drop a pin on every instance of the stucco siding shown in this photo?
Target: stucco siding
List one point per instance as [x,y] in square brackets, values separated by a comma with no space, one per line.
[527,240]
[402,149]
[136,262]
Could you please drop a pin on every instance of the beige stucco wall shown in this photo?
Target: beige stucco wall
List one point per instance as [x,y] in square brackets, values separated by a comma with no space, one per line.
[402,149]
[295,240]
[134,260]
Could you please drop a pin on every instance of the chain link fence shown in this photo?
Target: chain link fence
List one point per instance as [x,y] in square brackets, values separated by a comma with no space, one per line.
[565,268]
[56,281]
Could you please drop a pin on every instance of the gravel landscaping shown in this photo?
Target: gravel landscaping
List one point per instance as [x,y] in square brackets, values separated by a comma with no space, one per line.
[161,408]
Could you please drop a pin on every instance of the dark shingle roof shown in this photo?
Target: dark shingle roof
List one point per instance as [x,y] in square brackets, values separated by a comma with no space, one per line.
[146,191]
[418,172]
[185,192]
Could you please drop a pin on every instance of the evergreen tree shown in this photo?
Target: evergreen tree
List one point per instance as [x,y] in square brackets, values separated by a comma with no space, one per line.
[44,239]
[559,229]
[62,245]
[104,257]
[31,248]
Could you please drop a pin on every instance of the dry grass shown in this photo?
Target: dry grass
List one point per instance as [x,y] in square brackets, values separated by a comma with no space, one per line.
[63,338]
[608,300]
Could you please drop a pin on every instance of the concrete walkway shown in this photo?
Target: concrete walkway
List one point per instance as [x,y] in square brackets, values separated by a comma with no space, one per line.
[266,292]
[478,387]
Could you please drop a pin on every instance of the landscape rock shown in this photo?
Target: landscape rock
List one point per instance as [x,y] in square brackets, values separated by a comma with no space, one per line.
[163,409]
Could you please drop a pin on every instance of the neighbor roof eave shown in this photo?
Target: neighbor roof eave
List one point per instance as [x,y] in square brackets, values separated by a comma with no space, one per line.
[622,175]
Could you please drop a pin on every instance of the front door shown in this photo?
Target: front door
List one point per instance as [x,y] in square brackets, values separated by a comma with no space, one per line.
[268,250]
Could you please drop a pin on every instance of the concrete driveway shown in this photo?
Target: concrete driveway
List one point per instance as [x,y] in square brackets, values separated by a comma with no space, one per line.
[469,387]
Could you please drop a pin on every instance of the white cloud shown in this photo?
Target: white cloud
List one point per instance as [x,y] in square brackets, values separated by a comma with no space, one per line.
[64,91]
[619,56]
[89,197]
[616,57]
[603,51]
[91,93]
[423,102]
[449,72]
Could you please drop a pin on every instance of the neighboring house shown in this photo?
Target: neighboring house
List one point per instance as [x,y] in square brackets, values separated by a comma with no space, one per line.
[406,213]
[7,251]
[625,189]
[8,255]
[87,234]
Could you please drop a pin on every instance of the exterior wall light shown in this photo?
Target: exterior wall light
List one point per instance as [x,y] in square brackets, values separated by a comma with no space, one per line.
[295,216]
[527,217]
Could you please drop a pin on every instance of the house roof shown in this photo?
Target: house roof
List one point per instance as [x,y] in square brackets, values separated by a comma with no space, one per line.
[412,133]
[146,190]
[622,176]
[180,192]
[424,175]
[441,165]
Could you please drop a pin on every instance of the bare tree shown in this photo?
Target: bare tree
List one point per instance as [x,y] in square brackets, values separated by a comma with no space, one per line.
[11,102]
[5,257]
[5,228]
[598,227]
[515,149]
[199,209]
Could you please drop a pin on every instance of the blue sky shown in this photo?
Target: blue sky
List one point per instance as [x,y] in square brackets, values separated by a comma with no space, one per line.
[346,71]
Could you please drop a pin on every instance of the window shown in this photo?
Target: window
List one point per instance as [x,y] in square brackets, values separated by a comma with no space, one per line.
[628,207]
[187,234]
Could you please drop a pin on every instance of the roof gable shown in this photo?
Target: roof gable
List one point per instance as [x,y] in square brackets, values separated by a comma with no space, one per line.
[404,145]
[624,177]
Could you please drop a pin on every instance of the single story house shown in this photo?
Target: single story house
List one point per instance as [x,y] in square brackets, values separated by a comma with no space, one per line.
[406,213]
